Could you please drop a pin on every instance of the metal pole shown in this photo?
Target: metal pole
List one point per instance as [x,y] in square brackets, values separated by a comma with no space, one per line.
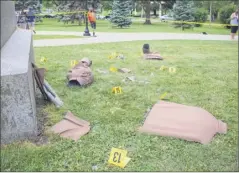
[86,32]
[210,13]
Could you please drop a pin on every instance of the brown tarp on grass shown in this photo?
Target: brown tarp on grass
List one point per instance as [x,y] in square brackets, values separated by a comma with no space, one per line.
[71,127]
[181,121]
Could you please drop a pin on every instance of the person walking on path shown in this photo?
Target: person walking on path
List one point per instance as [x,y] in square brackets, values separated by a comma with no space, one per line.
[92,20]
[22,21]
[31,20]
[234,24]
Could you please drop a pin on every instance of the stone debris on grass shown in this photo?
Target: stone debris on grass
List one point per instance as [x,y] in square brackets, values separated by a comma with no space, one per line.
[71,127]
[181,121]
[102,71]
[130,78]
[144,82]
[124,70]
[121,56]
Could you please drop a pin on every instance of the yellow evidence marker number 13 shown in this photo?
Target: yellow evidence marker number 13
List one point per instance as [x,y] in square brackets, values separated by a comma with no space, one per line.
[117,90]
[118,157]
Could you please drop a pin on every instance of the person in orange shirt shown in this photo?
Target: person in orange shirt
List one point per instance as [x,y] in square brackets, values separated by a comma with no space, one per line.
[92,19]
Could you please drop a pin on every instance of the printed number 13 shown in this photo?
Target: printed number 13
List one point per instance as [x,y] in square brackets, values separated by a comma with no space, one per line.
[115,157]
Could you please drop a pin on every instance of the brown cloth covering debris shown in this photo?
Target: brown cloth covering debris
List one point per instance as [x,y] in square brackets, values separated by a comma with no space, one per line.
[148,55]
[181,121]
[81,73]
[71,127]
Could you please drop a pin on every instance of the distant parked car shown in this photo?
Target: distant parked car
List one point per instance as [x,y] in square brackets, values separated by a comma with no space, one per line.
[107,17]
[45,15]
[165,18]
[98,16]
[48,13]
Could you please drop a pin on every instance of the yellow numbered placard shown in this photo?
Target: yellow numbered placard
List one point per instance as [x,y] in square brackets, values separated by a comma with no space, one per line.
[117,90]
[172,70]
[113,69]
[43,59]
[118,157]
[162,67]
[163,96]
[73,63]
[113,55]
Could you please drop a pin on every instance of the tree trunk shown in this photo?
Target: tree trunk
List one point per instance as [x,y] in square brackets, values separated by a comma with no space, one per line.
[147,12]
[155,12]
[210,12]
[142,12]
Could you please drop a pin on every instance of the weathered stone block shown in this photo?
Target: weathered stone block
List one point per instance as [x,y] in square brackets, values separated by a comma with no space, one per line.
[18,107]
[8,20]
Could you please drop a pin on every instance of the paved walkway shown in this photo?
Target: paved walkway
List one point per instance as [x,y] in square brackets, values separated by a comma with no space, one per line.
[103,37]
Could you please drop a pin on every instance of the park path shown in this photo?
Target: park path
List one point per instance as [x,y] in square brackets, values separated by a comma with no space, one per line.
[104,37]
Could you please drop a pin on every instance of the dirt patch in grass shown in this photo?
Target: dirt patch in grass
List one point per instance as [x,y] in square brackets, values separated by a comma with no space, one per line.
[41,138]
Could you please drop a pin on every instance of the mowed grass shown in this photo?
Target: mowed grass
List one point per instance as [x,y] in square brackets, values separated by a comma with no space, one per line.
[206,76]
[137,26]
[42,37]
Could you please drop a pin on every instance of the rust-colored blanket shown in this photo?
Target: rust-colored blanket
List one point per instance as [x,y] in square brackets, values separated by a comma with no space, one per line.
[181,121]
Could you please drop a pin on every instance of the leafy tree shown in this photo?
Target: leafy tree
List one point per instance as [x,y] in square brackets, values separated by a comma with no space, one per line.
[215,6]
[48,3]
[121,13]
[200,15]
[183,10]
[168,5]
[107,5]
[21,5]
[225,13]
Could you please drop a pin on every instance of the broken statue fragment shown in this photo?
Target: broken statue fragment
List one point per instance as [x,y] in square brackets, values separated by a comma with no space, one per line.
[180,121]
[81,74]
[71,127]
[148,55]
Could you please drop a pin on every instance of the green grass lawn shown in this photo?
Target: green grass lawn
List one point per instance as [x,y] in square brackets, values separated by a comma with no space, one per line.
[104,26]
[41,37]
[207,76]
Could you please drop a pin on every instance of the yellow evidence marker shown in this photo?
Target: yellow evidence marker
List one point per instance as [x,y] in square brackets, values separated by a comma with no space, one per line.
[113,69]
[172,70]
[73,63]
[162,68]
[113,55]
[43,59]
[163,96]
[118,157]
[117,90]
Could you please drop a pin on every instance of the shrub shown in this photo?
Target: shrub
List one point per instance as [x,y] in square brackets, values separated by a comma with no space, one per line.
[200,15]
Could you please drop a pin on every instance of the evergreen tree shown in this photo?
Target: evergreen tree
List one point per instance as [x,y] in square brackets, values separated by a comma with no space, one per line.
[74,5]
[121,10]
[183,10]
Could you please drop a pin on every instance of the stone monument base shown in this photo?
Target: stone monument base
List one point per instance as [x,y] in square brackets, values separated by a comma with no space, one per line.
[18,107]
